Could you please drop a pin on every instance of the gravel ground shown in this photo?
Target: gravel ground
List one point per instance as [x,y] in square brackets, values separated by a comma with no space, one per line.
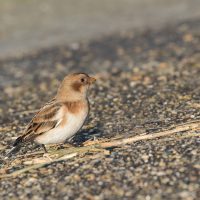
[146,82]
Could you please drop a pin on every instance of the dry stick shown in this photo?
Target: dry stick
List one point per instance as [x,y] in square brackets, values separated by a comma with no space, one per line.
[36,166]
[188,135]
[5,129]
[63,155]
[180,128]
[192,126]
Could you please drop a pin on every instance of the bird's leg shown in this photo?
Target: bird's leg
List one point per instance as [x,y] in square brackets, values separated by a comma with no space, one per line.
[70,144]
[94,138]
[46,153]
[43,146]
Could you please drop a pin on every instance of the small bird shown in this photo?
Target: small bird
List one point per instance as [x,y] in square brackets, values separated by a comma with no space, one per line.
[63,116]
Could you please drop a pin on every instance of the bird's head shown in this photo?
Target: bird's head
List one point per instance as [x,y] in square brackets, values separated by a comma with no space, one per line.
[75,86]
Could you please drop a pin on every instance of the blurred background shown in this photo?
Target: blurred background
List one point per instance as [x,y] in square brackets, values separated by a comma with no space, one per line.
[145,56]
[27,25]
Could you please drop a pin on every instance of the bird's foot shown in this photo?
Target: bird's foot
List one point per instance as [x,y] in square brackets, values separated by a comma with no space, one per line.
[46,155]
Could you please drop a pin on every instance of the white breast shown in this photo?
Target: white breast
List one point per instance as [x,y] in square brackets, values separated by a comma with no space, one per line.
[61,133]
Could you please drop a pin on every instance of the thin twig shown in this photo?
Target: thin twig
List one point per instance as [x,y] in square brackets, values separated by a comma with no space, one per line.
[180,128]
[36,166]
[7,128]
[30,154]
[195,125]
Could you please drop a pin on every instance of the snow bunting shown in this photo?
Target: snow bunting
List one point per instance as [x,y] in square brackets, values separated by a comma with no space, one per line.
[63,116]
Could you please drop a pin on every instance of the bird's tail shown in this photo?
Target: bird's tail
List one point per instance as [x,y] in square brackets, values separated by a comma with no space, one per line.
[18,141]
[16,147]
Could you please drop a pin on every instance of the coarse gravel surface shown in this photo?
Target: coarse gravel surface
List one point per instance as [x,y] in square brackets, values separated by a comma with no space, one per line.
[147,81]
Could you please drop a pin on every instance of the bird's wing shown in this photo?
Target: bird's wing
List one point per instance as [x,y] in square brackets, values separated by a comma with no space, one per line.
[44,120]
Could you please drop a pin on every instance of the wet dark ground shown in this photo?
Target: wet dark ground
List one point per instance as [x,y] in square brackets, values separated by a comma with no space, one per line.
[146,82]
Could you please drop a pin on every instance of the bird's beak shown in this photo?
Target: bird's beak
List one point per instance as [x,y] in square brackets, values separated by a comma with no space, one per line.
[91,80]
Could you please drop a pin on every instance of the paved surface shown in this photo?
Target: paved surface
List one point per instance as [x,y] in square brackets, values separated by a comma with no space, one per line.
[146,82]
[33,24]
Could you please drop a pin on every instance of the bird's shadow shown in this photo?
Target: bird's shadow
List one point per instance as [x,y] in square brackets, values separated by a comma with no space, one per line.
[87,134]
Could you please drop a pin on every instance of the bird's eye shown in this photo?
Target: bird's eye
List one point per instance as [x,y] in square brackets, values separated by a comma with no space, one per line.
[82,80]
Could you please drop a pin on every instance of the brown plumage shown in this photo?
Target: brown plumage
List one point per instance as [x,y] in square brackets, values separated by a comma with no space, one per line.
[63,116]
